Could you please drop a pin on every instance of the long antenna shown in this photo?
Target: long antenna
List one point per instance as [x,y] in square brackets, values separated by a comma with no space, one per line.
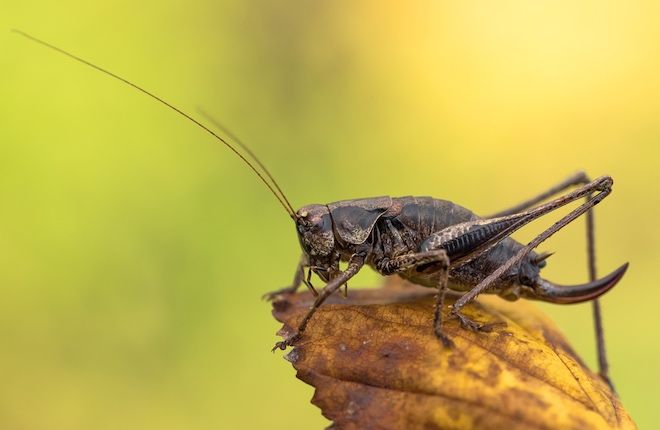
[287,207]
[237,141]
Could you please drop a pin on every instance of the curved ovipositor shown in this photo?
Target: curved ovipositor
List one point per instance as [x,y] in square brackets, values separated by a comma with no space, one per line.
[569,294]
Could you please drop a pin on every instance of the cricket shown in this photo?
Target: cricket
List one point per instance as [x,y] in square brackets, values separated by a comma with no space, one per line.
[427,241]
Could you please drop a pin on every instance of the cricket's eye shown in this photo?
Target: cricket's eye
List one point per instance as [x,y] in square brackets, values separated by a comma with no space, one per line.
[308,226]
[317,225]
[321,224]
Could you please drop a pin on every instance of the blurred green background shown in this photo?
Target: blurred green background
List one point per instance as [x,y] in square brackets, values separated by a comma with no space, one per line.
[134,250]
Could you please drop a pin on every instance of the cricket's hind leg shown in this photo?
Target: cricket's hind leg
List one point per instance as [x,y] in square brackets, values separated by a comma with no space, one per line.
[580,178]
[461,242]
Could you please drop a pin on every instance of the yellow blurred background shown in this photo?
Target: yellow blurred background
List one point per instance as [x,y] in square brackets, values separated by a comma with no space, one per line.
[134,250]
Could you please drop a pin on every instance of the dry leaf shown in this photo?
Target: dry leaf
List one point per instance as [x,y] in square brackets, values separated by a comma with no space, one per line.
[376,364]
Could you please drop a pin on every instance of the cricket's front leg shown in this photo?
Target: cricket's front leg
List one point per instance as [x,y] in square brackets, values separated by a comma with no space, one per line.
[354,265]
[298,279]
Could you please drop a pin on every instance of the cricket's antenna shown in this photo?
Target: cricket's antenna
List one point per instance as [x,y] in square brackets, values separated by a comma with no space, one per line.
[237,141]
[287,206]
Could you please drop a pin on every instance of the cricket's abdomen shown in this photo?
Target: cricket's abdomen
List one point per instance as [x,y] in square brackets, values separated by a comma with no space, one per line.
[413,219]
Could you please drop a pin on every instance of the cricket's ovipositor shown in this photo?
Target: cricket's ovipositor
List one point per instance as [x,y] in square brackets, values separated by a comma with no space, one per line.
[428,241]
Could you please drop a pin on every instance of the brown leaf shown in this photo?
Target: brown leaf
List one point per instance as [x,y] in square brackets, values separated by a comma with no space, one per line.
[376,364]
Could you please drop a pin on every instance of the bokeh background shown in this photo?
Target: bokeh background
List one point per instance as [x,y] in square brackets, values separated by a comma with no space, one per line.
[134,249]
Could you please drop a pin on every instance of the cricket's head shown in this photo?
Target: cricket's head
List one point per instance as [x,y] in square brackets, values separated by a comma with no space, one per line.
[314,227]
[317,240]
[326,231]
